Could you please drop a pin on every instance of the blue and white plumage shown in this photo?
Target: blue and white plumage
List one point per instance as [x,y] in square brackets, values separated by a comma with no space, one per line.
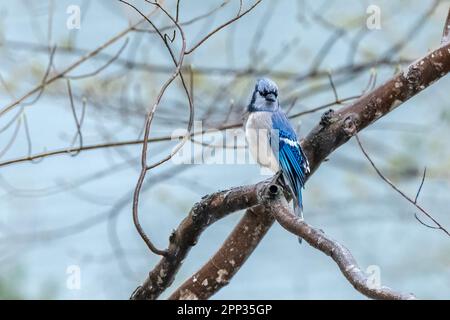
[273,142]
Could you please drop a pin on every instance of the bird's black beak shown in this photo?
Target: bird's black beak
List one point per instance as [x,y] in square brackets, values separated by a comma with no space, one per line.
[271,97]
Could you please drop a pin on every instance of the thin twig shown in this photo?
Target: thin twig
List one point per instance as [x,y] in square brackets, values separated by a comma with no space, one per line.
[333,87]
[446,31]
[69,68]
[103,67]
[237,17]
[149,117]
[78,123]
[393,186]
[421,184]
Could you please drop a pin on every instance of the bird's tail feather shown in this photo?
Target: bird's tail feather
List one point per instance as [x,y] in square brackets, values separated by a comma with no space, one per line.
[298,210]
[297,200]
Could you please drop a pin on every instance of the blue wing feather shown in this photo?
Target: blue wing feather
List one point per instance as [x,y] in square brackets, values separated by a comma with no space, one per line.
[292,160]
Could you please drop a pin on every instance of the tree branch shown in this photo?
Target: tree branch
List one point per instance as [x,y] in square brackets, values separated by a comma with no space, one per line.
[204,213]
[227,261]
[277,206]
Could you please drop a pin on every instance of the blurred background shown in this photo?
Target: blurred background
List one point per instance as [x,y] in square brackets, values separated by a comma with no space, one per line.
[72,211]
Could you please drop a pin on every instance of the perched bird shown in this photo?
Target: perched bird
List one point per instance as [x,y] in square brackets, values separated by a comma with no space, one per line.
[273,142]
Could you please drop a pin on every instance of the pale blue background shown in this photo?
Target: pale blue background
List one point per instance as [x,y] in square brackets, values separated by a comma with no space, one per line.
[344,197]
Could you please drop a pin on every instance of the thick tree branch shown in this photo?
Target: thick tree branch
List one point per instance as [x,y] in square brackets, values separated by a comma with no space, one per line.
[219,270]
[204,213]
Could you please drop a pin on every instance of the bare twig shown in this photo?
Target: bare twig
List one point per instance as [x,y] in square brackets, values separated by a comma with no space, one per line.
[412,31]
[44,78]
[333,86]
[103,67]
[69,68]
[237,17]
[393,186]
[421,185]
[8,146]
[148,121]
[446,31]
[79,133]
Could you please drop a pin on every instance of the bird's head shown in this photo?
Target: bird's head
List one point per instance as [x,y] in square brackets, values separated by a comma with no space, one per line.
[265,96]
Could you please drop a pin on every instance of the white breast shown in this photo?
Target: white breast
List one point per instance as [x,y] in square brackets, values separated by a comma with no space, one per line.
[257,133]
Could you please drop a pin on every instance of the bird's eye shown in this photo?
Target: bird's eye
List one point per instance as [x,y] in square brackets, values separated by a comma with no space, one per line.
[265,93]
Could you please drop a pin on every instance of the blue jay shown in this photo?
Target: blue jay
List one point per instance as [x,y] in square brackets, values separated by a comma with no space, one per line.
[273,142]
